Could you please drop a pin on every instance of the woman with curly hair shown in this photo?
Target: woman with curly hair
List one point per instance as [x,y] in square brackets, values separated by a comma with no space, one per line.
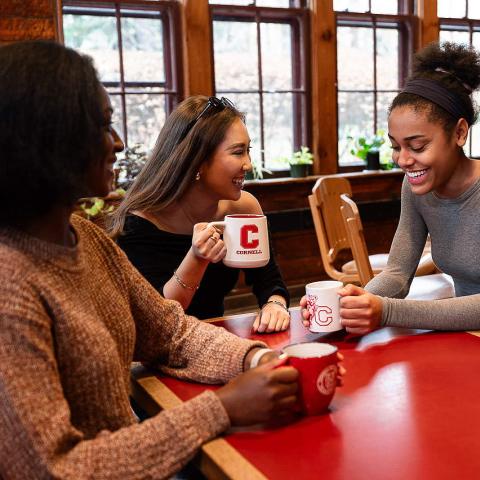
[428,124]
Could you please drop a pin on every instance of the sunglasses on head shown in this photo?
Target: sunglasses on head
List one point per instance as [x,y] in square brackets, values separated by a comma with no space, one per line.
[213,103]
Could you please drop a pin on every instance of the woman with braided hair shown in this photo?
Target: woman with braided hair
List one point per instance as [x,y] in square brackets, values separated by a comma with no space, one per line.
[429,123]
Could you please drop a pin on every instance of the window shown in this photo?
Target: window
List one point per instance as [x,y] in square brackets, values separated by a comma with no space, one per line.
[135,50]
[374,46]
[460,23]
[259,63]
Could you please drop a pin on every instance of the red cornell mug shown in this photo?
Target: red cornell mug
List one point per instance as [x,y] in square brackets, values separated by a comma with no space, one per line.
[318,369]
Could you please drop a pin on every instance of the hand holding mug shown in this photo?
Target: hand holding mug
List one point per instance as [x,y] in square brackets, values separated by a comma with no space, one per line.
[360,310]
[260,394]
[305,313]
[323,305]
[207,244]
[274,354]
[319,374]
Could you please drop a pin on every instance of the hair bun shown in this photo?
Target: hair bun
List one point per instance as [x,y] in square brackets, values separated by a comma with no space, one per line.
[461,62]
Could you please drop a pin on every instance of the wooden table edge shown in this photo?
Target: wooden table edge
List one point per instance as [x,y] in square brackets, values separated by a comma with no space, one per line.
[218,459]
[230,317]
[475,332]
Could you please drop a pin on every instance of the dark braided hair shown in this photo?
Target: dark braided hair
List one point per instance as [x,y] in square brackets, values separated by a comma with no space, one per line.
[462,64]
[51,124]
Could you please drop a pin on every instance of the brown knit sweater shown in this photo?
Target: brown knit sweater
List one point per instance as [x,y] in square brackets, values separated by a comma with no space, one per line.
[71,321]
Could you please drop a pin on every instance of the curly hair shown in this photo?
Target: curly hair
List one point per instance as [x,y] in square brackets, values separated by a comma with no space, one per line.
[457,68]
[50,127]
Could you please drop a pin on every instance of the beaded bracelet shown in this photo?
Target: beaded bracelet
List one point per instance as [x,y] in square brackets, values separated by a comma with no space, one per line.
[278,303]
[183,284]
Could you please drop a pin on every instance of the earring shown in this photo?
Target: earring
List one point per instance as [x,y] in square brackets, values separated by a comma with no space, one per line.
[197,176]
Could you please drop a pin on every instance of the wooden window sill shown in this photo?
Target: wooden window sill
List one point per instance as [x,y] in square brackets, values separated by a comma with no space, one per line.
[278,194]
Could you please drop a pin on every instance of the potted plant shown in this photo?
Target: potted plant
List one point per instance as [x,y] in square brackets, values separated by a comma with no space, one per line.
[300,162]
[372,151]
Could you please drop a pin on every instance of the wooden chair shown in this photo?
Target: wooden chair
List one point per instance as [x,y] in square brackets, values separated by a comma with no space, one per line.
[427,287]
[332,236]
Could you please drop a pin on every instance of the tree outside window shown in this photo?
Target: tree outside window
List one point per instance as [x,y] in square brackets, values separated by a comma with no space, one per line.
[374,45]
[259,64]
[134,53]
[460,23]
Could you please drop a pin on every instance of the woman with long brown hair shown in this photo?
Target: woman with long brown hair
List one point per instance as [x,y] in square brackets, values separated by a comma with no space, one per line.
[195,176]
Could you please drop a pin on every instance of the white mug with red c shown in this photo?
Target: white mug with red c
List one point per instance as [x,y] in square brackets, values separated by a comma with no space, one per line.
[323,305]
[246,240]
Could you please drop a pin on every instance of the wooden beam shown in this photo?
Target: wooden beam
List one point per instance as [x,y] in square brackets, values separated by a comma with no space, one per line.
[428,19]
[26,8]
[324,92]
[198,50]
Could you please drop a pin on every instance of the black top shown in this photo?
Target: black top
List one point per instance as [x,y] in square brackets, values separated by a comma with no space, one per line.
[156,254]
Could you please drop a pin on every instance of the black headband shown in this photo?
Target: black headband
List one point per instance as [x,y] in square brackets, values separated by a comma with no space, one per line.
[438,94]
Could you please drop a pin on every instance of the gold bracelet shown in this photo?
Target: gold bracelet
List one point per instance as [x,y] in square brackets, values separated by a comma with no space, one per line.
[183,284]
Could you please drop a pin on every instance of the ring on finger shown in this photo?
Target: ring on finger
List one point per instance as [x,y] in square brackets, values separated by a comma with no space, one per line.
[211,237]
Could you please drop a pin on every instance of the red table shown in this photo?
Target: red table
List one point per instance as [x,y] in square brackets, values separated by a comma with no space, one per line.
[409,410]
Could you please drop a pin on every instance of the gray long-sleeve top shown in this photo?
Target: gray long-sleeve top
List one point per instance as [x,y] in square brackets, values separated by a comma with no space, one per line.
[454,227]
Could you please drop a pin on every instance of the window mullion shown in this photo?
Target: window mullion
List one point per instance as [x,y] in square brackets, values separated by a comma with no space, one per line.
[375,126]
[376,23]
[297,77]
[167,65]
[122,71]
[260,86]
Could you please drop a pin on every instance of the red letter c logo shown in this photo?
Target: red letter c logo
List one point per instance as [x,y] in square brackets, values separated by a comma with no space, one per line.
[247,240]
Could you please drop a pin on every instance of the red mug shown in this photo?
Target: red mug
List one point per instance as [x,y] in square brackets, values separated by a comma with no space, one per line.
[318,369]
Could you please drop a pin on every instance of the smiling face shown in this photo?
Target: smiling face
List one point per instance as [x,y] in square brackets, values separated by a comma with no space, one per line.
[100,174]
[223,175]
[429,156]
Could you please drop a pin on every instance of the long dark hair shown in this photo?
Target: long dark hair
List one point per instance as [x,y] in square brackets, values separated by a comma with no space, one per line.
[457,68]
[50,127]
[176,158]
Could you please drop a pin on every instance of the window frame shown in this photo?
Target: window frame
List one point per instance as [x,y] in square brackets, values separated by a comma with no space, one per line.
[166,12]
[470,26]
[406,23]
[298,17]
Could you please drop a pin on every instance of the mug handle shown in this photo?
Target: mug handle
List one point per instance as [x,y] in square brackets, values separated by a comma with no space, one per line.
[217,224]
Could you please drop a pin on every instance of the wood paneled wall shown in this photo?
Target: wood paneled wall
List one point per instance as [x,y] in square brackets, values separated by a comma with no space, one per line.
[27,20]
